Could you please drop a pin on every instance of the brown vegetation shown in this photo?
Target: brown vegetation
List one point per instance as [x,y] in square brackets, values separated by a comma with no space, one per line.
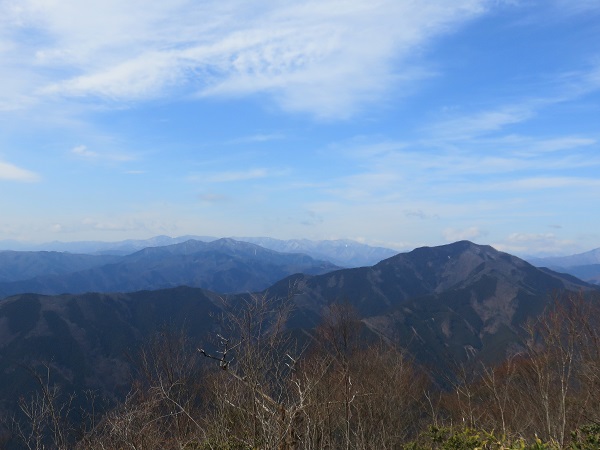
[258,388]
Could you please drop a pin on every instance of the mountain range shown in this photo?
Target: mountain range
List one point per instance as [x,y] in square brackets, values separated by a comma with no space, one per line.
[343,252]
[23,265]
[224,266]
[447,305]
[582,265]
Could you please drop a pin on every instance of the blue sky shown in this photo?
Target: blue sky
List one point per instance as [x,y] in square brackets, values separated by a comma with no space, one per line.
[393,122]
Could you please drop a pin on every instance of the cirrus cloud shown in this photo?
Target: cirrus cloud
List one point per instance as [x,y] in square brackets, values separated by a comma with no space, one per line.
[324,58]
[10,172]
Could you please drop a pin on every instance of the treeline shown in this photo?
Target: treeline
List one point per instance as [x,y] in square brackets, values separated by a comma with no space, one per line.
[257,387]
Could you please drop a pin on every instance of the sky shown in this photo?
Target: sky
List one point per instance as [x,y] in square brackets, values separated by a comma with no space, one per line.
[399,123]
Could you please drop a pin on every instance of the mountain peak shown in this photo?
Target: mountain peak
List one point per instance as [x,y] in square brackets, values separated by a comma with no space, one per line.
[456,248]
[471,295]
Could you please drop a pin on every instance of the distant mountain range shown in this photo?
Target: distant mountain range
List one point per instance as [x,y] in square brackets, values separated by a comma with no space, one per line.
[448,305]
[23,265]
[580,259]
[344,253]
[101,247]
[223,266]
[582,265]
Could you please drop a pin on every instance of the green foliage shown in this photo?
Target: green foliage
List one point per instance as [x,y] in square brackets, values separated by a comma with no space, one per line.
[447,438]
[586,437]
[217,444]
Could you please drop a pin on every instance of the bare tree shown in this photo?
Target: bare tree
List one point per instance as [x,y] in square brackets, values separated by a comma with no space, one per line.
[263,397]
[45,415]
[548,389]
[339,333]
[163,408]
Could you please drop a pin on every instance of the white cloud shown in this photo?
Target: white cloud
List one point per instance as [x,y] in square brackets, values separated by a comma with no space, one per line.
[538,244]
[423,169]
[10,172]
[470,126]
[495,119]
[534,183]
[233,176]
[324,58]
[82,151]
[563,143]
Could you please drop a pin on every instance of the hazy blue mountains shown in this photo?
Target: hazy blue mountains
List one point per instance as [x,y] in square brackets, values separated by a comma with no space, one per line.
[224,266]
[100,247]
[589,272]
[343,252]
[23,265]
[582,265]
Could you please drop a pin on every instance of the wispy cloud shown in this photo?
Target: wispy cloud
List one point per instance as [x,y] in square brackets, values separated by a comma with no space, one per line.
[233,176]
[539,244]
[535,183]
[10,172]
[457,151]
[497,118]
[563,143]
[474,125]
[83,152]
[324,58]
[424,171]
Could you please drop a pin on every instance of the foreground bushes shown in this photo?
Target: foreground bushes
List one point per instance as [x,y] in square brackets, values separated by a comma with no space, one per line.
[586,437]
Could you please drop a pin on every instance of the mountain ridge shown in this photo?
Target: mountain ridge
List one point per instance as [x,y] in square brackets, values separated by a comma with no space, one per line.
[223,265]
[584,265]
[343,252]
[22,265]
[475,294]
